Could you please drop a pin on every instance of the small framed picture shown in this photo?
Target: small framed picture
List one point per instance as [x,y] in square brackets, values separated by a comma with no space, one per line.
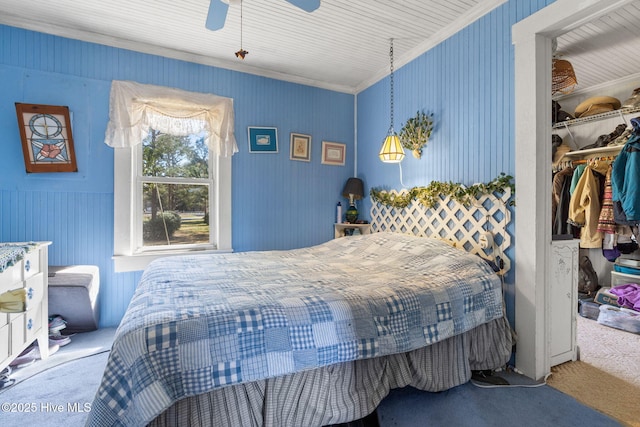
[333,153]
[300,147]
[47,142]
[263,140]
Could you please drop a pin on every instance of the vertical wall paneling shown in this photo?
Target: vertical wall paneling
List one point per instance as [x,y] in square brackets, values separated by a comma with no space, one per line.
[467,81]
[277,203]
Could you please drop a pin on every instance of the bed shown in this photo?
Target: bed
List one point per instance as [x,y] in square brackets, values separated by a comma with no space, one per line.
[306,337]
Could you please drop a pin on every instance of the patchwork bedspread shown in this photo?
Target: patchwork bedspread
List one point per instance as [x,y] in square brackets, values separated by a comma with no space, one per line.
[201,322]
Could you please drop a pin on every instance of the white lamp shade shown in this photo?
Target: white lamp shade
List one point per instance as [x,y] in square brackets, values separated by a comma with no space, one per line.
[391,151]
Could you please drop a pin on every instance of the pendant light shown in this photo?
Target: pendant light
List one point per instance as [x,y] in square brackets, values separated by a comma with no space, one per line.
[241,53]
[391,151]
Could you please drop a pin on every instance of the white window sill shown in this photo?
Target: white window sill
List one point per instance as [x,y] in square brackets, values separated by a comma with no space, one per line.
[138,262]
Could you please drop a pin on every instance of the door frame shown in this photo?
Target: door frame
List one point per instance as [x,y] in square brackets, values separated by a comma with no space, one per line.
[532,39]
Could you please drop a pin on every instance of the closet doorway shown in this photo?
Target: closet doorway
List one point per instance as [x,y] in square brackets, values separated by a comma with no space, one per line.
[532,39]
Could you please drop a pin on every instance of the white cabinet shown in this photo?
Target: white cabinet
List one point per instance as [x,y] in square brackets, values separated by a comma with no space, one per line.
[26,271]
[563,301]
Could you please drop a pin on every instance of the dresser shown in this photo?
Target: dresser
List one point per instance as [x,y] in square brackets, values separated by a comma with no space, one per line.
[24,266]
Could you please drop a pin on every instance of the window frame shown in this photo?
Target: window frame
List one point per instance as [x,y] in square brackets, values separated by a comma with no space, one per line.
[128,201]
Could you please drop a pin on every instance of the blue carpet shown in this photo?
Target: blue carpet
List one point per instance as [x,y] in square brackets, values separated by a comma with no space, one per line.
[472,406]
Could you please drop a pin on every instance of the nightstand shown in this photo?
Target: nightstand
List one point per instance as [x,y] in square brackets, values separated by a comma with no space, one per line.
[346,229]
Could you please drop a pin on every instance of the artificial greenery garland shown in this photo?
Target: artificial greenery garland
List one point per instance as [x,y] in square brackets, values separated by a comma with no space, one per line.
[429,196]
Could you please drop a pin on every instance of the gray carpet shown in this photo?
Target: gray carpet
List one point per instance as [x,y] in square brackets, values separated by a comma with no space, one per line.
[58,393]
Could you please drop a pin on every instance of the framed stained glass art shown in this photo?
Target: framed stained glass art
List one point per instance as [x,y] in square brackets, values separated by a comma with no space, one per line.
[47,141]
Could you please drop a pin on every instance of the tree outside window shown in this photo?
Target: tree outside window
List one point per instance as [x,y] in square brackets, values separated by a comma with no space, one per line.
[175,182]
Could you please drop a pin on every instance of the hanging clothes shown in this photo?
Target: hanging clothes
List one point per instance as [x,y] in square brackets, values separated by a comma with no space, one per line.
[577,174]
[606,220]
[584,206]
[560,202]
[625,179]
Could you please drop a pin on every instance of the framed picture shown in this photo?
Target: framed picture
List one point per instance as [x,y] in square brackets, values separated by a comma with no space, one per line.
[333,153]
[300,148]
[263,140]
[47,142]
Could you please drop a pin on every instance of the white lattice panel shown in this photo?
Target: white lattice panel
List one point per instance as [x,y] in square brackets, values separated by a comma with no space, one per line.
[452,221]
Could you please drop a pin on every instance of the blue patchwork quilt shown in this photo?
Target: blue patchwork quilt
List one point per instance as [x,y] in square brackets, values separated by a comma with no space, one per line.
[201,322]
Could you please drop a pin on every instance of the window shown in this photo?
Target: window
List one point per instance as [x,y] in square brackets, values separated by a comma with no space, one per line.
[172,174]
[175,192]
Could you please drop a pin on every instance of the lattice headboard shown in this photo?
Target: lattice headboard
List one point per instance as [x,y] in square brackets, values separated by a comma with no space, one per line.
[453,221]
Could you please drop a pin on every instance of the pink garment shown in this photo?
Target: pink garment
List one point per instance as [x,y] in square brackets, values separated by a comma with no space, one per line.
[628,295]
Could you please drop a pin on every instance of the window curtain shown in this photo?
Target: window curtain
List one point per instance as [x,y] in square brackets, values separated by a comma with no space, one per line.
[136,108]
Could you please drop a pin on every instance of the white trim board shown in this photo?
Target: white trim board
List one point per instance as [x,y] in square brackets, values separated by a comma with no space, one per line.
[532,42]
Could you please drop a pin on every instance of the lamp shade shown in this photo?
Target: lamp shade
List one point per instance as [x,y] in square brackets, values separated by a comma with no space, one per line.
[355,187]
[391,151]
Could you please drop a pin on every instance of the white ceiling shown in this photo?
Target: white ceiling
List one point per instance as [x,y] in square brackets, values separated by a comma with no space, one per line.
[343,45]
[605,50]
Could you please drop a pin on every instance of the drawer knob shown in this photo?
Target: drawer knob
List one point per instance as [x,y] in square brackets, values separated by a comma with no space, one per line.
[27,265]
[30,293]
[30,324]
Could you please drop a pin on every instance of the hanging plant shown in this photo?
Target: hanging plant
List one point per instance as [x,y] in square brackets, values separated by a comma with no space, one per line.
[415,133]
[429,196]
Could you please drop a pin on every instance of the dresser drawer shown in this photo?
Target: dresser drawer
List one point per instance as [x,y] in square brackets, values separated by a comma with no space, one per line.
[33,323]
[17,332]
[11,278]
[34,287]
[31,264]
[4,342]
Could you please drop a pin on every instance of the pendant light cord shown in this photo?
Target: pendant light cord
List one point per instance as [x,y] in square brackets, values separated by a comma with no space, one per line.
[241,25]
[391,130]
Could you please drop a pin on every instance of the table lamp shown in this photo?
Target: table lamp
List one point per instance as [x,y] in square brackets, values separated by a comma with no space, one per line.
[353,190]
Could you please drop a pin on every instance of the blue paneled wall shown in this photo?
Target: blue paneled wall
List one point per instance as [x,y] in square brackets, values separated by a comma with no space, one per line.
[467,83]
[277,203]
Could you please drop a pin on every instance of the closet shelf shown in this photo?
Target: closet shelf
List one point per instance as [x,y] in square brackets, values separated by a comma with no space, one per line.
[593,152]
[621,112]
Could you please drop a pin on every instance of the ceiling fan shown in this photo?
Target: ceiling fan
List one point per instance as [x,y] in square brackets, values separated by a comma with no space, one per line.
[218,10]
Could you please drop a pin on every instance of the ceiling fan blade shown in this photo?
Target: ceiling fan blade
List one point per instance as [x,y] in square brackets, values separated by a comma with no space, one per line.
[306,5]
[217,15]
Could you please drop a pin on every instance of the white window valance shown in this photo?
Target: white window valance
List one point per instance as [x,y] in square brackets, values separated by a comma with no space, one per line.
[136,108]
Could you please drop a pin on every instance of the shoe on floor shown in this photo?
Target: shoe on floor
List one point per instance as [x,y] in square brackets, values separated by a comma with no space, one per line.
[56,324]
[6,383]
[488,377]
[5,373]
[59,339]
[27,357]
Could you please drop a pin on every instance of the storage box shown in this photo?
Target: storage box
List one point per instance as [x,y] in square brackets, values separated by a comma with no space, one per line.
[620,318]
[603,296]
[628,262]
[626,269]
[73,294]
[589,309]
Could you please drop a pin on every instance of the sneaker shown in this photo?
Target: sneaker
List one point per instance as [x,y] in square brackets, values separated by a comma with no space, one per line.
[59,339]
[26,358]
[6,383]
[5,373]
[56,324]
